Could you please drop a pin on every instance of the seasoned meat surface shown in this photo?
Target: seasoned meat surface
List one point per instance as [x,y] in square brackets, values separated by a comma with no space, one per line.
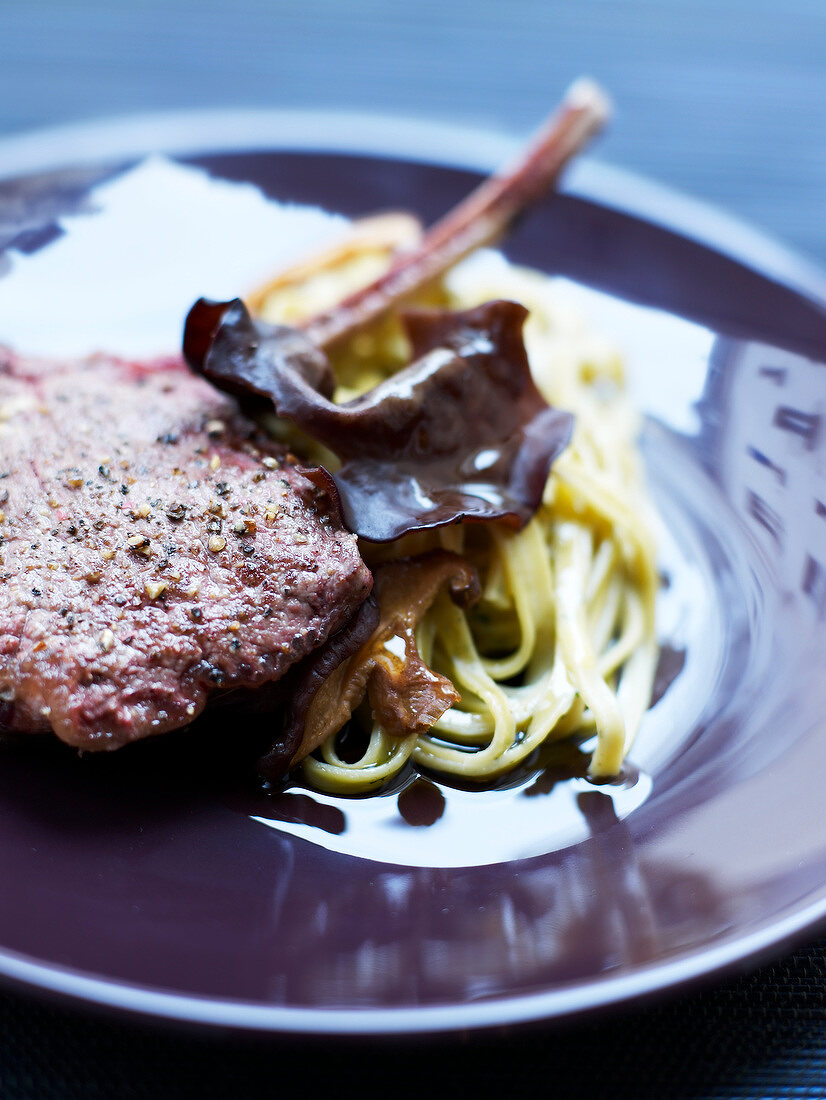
[152,550]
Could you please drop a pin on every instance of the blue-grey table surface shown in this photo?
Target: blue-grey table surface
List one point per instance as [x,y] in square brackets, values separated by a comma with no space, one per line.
[725,99]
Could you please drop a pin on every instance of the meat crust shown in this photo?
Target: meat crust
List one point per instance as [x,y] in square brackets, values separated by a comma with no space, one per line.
[152,550]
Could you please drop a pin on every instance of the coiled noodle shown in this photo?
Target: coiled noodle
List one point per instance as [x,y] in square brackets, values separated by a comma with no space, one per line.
[562,643]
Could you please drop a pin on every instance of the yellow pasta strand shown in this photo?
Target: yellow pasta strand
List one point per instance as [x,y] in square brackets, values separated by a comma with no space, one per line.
[562,642]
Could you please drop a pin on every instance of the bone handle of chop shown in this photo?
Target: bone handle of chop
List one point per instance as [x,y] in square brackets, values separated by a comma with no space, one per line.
[478,220]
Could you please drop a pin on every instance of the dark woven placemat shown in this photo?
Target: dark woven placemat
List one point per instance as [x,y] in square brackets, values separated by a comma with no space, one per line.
[761,1035]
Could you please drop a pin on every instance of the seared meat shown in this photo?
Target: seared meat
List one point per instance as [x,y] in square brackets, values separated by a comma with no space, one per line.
[152,550]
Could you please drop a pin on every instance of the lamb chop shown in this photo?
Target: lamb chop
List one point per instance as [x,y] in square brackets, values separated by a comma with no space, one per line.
[155,549]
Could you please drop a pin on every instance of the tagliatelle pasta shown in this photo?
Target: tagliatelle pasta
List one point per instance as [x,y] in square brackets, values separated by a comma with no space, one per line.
[562,642]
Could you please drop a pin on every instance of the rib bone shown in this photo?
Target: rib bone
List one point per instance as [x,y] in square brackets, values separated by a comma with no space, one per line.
[478,220]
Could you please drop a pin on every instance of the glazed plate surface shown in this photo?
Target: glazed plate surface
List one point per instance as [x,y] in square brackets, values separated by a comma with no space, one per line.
[157,881]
